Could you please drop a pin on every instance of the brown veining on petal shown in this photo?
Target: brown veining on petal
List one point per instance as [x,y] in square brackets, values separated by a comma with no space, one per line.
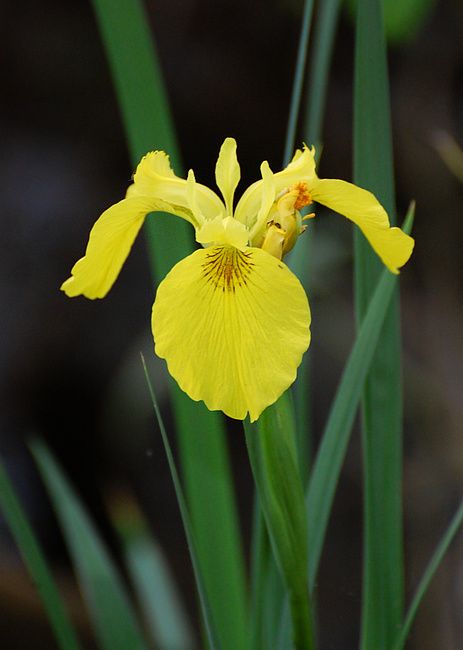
[227,267]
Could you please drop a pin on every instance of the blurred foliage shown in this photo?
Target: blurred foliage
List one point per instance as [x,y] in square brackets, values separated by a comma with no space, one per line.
[402,18]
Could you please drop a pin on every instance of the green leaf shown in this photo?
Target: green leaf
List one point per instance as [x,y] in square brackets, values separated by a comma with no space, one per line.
[206,605]
[428,575]
[335,438]
[323,40]
[113,618]
[383,588]
[298,81]
[319,65]
[36,564]
[272,452]
[201,434]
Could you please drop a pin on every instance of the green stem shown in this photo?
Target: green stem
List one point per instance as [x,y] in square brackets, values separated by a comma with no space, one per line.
[272,453]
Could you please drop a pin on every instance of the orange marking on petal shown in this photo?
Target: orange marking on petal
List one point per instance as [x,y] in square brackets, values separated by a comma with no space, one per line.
[304,197]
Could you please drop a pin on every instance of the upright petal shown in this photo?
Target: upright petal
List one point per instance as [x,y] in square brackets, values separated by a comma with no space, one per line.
[300,169]
[227,172]
[233,326]
[154,177]
[392,245]
[109,244]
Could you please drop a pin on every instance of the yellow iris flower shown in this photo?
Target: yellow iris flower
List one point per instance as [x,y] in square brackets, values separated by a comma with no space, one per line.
[231,320]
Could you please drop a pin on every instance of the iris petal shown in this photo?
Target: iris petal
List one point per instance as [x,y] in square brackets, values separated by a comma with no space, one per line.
[154,177]
[392,245]
[233,326]
[300,169]
[227,172]
[109,244]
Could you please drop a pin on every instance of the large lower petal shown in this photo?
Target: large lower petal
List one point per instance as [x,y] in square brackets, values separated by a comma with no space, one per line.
[233,326]
[109,244]
[393,246]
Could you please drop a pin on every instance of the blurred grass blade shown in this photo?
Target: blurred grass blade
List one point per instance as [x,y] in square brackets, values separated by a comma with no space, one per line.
[330,456]
[383,581]
[271,444]
[428,575]
[144,107]
[201,434]
[36,564]
[298,81]
[323,39]
[189,532]
[152,579]
[301,387]
[113,618]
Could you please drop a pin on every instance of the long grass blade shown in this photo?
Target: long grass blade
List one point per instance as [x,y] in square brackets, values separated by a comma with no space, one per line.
[428,575]
[187,524]
[383,582]
[319,64]
[114,621]
[331,453]
[148,570]
[36,564]
[323,40]
[201,434]
[298,81]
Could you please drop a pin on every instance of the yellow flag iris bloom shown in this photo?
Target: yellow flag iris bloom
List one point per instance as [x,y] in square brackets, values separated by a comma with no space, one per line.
[231,320]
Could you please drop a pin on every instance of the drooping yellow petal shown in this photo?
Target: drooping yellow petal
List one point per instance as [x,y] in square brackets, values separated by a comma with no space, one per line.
[300,169]
[227,172]
[392,245]
[154,177]
[233,326]
[109,244]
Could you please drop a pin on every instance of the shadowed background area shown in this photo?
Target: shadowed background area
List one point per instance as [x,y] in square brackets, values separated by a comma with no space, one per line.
[70,369]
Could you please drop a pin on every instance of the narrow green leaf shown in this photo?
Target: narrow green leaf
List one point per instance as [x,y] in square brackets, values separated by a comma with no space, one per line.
[152,579]
[323,40]
[382,598]
[319,63]
[114,620]
[187,525]
[144,107]
[272,452]
[36,564]
[428,575]
[201,434]
[298,81]
[331,453]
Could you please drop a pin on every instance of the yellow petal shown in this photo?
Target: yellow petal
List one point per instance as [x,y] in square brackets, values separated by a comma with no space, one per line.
[233,326]
[227,172]
[300,169]
[155,178]
[393,246]
[110,241]
[223,231]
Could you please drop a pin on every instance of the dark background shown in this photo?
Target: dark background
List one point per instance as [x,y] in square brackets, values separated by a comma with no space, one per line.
[69,369]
